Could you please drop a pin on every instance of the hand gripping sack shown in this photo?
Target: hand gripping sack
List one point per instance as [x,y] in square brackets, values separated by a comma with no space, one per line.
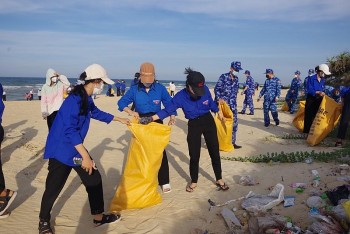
[138,185]
[224,129]
[298,120]
[326,119]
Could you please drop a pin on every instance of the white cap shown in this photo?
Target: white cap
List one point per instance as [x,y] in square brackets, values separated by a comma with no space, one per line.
[96,71]
[324,67]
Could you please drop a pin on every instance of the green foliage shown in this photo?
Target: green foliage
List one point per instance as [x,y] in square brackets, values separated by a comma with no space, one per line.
[340,68]
[338,155]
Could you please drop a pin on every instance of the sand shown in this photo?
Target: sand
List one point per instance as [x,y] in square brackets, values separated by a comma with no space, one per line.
[180,211]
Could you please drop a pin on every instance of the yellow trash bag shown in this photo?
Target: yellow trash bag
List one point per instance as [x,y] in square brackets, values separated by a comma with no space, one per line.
[298,120]
[346,206]
[285,107]
[138,185]
[326,118]
[224,129]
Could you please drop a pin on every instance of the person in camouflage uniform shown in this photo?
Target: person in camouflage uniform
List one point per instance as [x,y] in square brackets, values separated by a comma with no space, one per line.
[271,92]
[293,92]
[248,90]
[226,90]
[311,72]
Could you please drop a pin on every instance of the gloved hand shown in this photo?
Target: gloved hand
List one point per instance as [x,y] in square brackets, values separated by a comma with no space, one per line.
[145,120]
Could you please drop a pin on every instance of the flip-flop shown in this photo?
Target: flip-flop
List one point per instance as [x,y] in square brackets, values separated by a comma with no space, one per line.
[190,189]
[7,200]
[5,215]
[222,187]
[166,188]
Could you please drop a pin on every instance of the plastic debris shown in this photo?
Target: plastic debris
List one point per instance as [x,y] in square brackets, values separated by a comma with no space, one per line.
[262,203]
[247,180]
[289,201]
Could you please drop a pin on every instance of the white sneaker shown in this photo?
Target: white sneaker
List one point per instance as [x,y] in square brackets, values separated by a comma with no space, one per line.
[166,188]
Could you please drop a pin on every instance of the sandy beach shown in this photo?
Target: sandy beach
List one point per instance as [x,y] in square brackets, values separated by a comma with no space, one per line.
[180,211]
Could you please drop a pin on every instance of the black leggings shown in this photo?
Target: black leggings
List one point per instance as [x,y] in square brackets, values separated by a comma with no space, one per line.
[311,107]
[50,119]
[57,177]
[345,117]
[196,127]
[2,178]
[163,173]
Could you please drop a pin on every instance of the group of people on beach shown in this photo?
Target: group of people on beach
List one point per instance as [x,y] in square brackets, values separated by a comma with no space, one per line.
[68,110]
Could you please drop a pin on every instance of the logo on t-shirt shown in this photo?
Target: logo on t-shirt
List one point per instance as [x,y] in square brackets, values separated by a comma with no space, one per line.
[156,102]
[206,102]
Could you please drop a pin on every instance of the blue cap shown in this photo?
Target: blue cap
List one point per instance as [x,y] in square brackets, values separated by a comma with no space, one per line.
[269,70]
[311,71]
[247,72]
[297,72]
[236,65]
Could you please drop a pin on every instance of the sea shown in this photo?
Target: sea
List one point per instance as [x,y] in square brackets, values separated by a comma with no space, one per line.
[17,87]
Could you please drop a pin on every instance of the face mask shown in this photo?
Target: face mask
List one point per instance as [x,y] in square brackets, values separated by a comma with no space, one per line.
[234,73]
[322,75]
[267,76]
[54,79]
[96,91]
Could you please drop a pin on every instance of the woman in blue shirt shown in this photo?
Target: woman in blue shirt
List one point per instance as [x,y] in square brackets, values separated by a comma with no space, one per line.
[148,96]
[65,150]
[6,195]
[315,92]
[196,102]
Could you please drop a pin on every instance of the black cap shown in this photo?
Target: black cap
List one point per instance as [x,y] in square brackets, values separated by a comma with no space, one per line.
[196,81]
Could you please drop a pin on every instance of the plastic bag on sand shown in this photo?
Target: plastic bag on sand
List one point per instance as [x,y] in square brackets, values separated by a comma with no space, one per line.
[324,224]
[259,225]
[262,203]
[315,201]
[247,180]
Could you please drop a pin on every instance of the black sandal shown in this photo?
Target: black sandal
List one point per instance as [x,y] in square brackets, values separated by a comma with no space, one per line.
[107,218]
[45,227]
[338,144]
[222,187]
[5,201]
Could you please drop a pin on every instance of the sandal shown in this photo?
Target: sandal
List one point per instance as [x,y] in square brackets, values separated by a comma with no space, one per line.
[338,144]
[190,189]
[5,201]
[166,188]
[5,215]
[107,218]
[222,187]
[45,227]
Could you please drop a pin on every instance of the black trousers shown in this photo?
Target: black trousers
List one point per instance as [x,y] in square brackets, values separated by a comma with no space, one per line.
[2,178]
[196,127]
[55,181]
[163,173]
[50,119]
[345,117]
[311,107]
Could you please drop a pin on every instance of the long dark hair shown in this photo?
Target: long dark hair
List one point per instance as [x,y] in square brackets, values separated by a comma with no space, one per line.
[79,90]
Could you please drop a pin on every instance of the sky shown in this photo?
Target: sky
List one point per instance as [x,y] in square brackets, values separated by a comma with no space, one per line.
[206,35]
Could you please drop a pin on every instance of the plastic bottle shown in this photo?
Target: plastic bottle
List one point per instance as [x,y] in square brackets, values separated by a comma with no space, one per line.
[315,178]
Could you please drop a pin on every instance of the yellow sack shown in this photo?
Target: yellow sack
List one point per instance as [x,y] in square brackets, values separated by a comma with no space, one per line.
[285,107]
[326,118]
[224,130]
[346,206]
[138,185]
[298,120]
[112,91]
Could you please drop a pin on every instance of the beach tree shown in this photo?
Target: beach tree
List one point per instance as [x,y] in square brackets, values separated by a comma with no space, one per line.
[340,68]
